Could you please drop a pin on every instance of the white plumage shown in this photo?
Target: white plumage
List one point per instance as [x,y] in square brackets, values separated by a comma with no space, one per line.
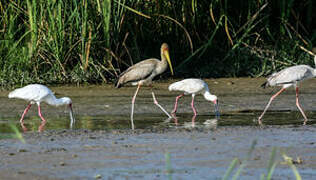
[193,86]
[37,93]
[288,77]
[189,86]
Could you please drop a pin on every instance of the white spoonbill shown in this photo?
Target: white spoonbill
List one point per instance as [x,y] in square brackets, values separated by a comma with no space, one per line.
[37,93]
[143,73]
[193,87]
[288,77]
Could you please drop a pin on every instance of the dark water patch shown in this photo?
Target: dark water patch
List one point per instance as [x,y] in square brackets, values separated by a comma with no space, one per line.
[286,118]
[158,121]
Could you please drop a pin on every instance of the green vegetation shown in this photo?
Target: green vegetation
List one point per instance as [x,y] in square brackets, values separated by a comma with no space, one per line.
[234,173]
[270,169]
[168,165]
[80,41]
[16,134]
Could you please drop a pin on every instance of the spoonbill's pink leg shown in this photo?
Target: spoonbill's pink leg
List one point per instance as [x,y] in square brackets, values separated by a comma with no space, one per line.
[192,105]
[24,113]
[23,126]
[175,119]
[193,121]
[266,108]
[133,102]
[40,114]
[299,107]
[156,102]
[42,126]
[176,104]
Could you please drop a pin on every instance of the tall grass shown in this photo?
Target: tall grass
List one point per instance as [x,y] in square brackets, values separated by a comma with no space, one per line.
[235,172]
[77,41]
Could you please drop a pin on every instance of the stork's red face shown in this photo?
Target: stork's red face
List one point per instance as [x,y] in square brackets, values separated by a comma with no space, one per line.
[165,49]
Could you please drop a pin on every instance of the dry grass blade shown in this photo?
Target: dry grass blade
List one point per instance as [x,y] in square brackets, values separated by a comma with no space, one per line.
[125,47]
[212,14]
[133,10]
[304,49]
[297,34]
[186,32]
[88,50]
[227,32]
[252,18]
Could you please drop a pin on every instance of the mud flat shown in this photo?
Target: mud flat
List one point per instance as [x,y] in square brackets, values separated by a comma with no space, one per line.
[102,146]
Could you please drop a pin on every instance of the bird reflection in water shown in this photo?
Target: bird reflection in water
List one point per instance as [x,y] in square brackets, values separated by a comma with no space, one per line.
[186,124]
[41,127]
[207,124]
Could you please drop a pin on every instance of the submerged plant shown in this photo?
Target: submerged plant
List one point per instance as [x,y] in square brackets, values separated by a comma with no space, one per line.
[16,133]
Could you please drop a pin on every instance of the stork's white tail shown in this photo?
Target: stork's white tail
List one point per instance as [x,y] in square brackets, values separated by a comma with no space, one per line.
[315,60]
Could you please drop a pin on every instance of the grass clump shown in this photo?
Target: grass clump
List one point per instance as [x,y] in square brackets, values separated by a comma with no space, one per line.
[272,163]
[83,41]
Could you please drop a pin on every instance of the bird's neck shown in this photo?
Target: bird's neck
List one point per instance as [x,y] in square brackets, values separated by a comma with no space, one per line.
[208,96]
[163,59]
[163,64]
[55,102]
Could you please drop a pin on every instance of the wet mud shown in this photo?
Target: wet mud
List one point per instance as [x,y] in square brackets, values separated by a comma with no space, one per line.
[101,144]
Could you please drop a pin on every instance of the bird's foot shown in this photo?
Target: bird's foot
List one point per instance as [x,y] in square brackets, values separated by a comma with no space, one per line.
[304,123]
[259,121]
[24,128]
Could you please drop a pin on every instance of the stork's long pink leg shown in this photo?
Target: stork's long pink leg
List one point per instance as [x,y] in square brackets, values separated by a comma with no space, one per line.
[299,107]
[192,105]
[266,108]
[24,113]
[133,102]
[156,102]
[176,104]
[40,113]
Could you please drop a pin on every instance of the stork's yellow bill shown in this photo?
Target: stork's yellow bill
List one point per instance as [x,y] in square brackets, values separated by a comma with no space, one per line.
[166,54]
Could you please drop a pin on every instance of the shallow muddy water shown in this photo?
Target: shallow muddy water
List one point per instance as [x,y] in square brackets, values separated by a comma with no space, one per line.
[101,144]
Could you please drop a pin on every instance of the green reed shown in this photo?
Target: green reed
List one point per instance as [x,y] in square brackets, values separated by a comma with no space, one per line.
[16,134]
[233,171]
[82,41]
